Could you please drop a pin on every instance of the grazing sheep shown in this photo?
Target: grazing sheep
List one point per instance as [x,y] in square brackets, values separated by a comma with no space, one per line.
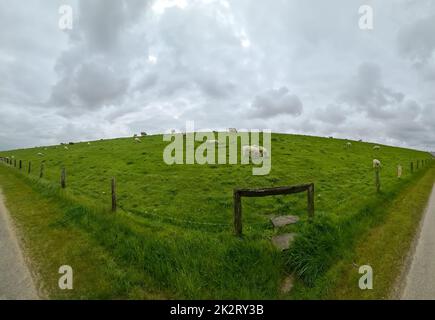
[89,143]
[263,152]
[376,147]
[254,151]
[348,145]
[251,151]
[66,148]
[40,154]
[137,139]
[376,163]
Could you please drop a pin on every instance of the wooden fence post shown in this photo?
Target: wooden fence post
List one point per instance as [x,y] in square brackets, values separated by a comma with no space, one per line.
[41,172]
[21,164]
[30,167]
[377,179]
[63,178]
[310,198]
[113,195]
[237,213]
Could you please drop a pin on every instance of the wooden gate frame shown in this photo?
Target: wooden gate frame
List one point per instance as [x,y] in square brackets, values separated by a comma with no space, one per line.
[239,193]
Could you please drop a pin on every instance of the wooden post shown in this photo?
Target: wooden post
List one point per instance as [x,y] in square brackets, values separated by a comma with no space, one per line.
[412,167]
[30,167]
[63,178]
[21,164]
[237,213]
[377,179]
[41,172]
[310,197]
[113,195]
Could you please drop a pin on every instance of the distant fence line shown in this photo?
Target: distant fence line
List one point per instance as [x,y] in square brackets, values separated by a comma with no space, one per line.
[237,193]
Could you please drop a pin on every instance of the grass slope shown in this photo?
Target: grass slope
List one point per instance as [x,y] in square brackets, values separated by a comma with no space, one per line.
[174,233]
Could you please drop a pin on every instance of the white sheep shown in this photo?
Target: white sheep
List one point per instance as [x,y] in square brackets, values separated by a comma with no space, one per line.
[251,151]
[137,139]
[376,163]
[40,154]
[376,147]
[263,152]
[254,151]
[66,148]
[348,145]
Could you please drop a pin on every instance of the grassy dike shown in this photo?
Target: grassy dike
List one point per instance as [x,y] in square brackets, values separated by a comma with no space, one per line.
[384,247]
[123,257]
[49,242]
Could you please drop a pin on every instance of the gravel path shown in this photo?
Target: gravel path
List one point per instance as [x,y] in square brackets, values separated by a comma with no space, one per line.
[15,280]
[420,280]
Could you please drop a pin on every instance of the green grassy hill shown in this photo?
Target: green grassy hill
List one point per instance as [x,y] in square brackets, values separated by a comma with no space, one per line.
[174,233]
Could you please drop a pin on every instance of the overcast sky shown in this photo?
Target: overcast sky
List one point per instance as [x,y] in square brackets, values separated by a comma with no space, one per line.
[291,66]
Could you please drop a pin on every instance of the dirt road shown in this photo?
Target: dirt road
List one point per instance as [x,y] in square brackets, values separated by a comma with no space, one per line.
[15,280]
[420,280]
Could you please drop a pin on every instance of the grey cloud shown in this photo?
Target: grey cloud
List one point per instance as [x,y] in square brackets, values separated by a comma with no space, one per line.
[416,41]
[90,86]
[276,102]
[94,71]
[332,114]
[101,22]
[367,92]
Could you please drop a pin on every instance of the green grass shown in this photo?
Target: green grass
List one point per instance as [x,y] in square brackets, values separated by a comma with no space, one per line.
[173,235]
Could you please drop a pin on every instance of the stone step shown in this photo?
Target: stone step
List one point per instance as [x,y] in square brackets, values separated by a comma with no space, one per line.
[287,284]
[283,241]
[282,221]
